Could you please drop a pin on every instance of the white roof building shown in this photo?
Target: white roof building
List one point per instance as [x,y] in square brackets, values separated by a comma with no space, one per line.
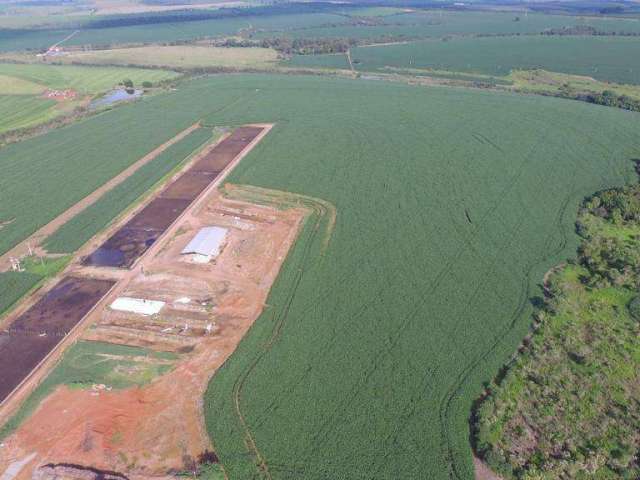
[207,243]
[137,305]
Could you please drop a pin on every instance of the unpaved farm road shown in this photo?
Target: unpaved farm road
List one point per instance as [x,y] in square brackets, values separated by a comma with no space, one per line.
[34,239]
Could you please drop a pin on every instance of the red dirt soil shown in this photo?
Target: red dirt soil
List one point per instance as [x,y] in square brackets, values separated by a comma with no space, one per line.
[154,430]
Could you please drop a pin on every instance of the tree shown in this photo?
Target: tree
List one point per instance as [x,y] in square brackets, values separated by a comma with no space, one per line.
[128,83]
[147,84]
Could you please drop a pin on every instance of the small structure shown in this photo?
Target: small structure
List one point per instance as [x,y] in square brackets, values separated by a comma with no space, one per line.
[137,305]
[206,245]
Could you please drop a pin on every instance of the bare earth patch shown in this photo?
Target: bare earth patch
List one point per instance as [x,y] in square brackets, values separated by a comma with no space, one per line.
[156,429]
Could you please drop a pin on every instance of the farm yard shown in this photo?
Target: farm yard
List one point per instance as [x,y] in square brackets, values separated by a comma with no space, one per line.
[205,309]
[422,223]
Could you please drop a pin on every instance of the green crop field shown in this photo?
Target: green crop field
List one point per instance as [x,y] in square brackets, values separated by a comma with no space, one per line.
[331,61]
[434,24]
[73,234]
[44,176]
[451,204]
[332,22]
[81,78]
[614,59]
[13,286]
[19,111]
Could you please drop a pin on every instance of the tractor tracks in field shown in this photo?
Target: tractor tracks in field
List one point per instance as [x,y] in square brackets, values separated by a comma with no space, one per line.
[447,404]
[321,210]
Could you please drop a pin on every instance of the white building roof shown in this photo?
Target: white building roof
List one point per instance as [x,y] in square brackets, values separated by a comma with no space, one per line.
[137,305]
[207,241]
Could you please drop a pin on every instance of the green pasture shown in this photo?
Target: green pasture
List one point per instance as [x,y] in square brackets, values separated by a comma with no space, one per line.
[451,204]
[332,61]
[84,79]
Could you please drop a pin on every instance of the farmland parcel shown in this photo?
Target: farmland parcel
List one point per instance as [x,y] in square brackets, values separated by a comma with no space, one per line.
[450,206]
[613,59]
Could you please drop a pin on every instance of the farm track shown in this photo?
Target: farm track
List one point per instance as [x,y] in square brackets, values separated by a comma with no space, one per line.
[34,241]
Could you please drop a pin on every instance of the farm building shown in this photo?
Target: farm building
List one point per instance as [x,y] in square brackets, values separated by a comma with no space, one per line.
[206,245]
[137,305]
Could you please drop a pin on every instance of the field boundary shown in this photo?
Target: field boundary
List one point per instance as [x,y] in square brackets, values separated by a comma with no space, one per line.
[35,239]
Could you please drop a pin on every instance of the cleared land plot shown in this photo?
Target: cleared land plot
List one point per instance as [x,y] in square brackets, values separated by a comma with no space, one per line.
[87,364]
[73,234]
[188,56]
[30,337]
[451,206]
[207,310]
[614,59]
[125,246]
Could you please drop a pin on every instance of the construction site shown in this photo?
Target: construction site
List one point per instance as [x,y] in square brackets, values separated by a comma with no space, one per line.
[185,280]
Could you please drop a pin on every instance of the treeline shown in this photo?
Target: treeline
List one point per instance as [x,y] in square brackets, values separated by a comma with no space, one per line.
[566,405]
[610,99]
[586,30]
[297,46]
[607,98]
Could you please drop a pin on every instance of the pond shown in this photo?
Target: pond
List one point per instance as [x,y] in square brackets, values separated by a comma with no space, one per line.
[115,96]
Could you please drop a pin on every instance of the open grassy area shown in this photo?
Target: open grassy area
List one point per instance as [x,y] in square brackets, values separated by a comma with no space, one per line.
[451,205]
[88,363]
[90,80]
[10,85]
[565,409]
[612,59]
[187,56]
